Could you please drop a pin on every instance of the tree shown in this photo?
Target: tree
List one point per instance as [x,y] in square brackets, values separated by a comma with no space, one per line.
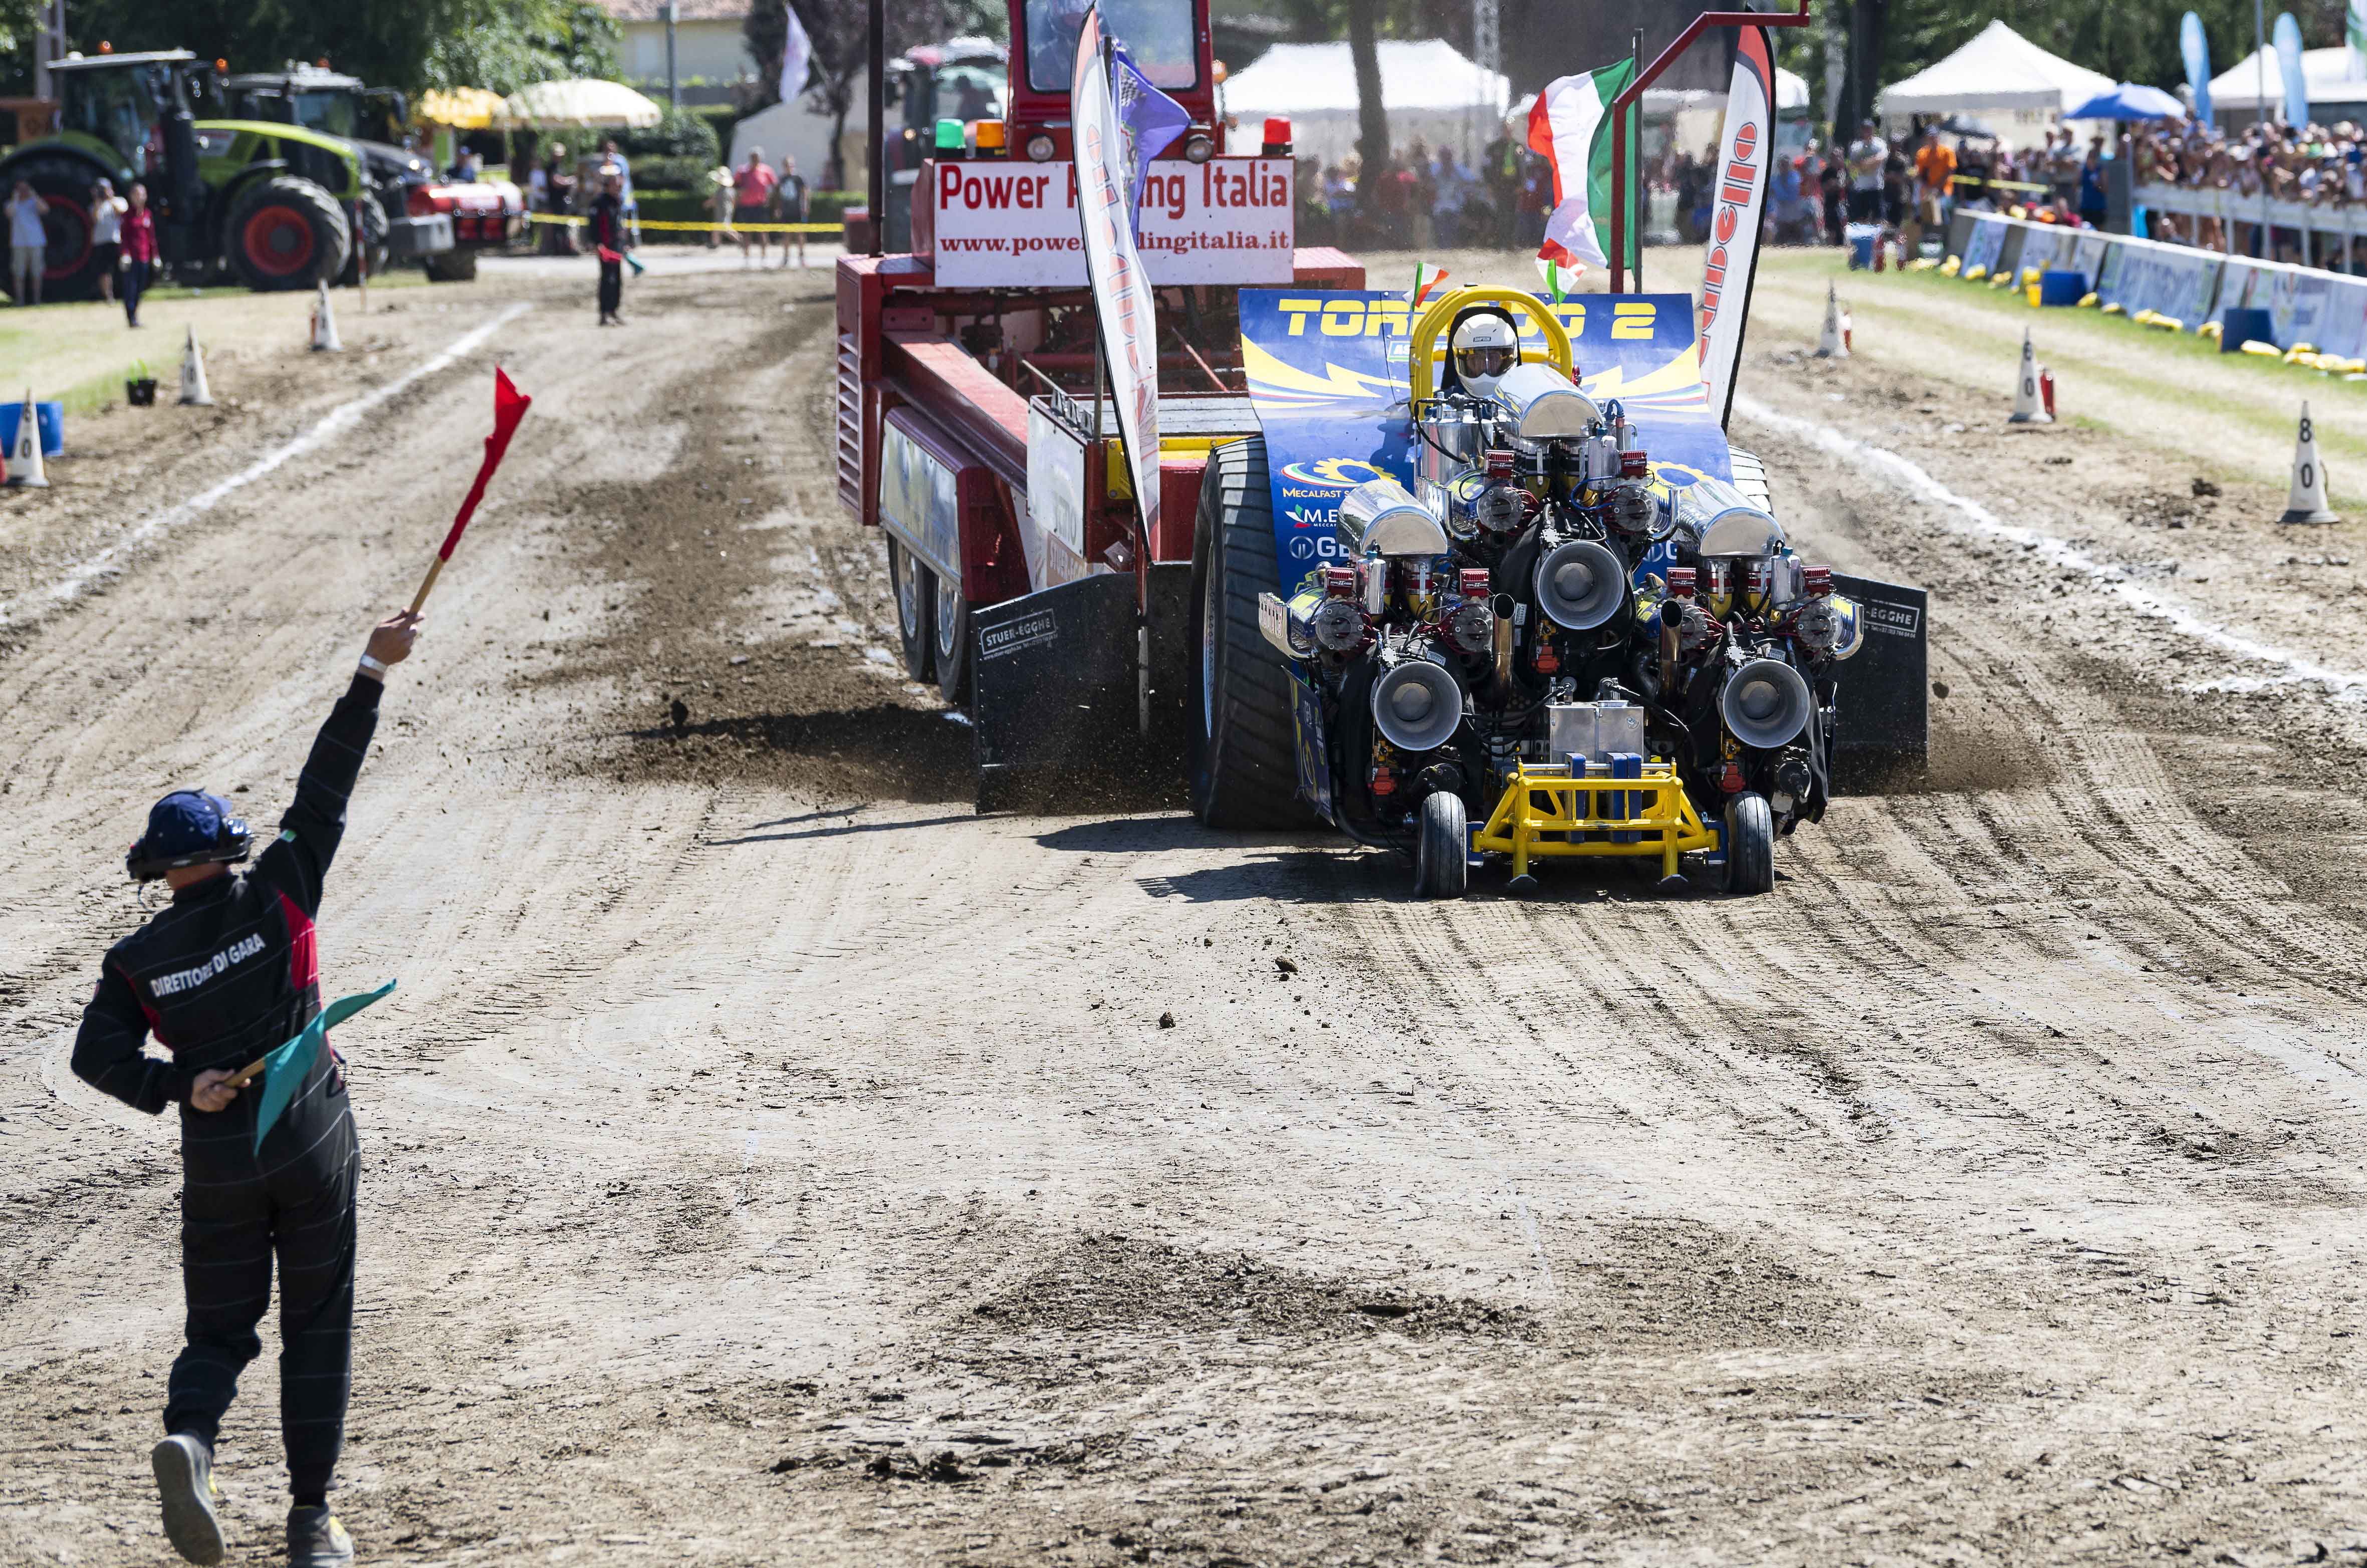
[1372,115]
[500,44]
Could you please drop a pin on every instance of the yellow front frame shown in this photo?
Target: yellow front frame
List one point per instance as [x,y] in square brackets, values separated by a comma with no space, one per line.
[1543,808]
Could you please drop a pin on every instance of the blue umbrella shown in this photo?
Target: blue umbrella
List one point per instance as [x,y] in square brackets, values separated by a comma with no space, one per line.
[2130,100]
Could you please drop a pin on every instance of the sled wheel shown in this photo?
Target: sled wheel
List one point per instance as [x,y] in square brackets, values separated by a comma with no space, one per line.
[1442,863]
[951,636]
[1750,845]
[914,587]
[1240,733]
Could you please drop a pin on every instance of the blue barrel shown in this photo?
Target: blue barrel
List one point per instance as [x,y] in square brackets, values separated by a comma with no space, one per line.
[50,418]
[1861,237]
[2242,322]
[2062,285]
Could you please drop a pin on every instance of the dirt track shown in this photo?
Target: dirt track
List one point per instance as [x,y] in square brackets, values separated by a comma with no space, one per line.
[769,1161]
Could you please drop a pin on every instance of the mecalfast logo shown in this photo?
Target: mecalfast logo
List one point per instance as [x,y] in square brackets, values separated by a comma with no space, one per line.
[1347,472]
[181,980]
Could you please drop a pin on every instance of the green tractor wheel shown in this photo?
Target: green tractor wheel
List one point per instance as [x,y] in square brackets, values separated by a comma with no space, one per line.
[287,233]
[71,265]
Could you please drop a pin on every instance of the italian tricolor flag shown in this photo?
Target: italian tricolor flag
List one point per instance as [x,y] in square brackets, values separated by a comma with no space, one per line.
[1569,128]
[1426,277]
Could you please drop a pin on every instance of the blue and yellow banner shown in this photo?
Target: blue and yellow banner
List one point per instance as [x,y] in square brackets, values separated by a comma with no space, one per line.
[1328,375]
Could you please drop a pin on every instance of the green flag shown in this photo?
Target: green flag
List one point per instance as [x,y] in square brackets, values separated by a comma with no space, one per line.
[285,1068]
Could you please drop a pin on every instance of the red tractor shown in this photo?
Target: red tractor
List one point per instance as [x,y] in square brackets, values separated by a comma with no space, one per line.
[971,421]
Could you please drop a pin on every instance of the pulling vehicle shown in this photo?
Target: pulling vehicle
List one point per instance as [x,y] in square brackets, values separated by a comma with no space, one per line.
[1542,638]
[442,224]
[268,202]
[1311,479]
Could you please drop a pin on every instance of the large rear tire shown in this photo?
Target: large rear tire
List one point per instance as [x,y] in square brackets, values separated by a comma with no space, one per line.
[70,267]
[914,589]
[1750,845]
[1241,747]
[287,233]
[1442,854]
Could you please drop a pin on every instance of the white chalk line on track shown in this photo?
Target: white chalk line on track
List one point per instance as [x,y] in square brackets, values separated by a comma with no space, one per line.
[1979,521]
[335,422]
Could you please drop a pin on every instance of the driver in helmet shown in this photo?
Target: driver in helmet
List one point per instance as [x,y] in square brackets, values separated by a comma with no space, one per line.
[221,975]
[1483,347]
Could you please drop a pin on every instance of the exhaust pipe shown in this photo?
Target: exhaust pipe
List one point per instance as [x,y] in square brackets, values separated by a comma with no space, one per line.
[1503,605]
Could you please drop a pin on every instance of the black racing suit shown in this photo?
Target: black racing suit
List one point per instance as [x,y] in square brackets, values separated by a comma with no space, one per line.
[225,974]
[607,226]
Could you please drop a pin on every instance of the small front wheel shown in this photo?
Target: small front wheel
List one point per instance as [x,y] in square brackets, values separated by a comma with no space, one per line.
[1750,845]
[1442,852]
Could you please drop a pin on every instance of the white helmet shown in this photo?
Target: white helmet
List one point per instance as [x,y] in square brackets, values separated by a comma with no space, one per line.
[1484,347]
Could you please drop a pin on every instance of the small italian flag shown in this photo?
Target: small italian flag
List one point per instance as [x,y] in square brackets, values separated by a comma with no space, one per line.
[1569,126]
[1560,279]
[1426,277]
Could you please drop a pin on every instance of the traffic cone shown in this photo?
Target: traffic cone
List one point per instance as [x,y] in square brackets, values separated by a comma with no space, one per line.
[193,375]
[2027,409]
[2307,503]
[1830,344]
[325,323]
[25,452]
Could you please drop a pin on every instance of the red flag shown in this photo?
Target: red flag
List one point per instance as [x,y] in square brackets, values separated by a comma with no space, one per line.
[509,407]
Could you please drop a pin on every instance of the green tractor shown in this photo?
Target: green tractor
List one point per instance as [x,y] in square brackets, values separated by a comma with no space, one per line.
[270,204]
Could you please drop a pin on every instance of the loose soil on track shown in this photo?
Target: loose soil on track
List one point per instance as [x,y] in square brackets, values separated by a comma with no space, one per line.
[769,1160]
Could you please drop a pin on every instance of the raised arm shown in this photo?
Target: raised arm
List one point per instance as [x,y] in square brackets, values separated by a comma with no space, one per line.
[309,834]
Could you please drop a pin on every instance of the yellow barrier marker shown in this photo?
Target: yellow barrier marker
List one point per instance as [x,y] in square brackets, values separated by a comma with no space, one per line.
[2215,331]
[2114,309]
[1975,273]
[2167,324]
[679,225]
[1952,265]
[2259,350]
[2088,301]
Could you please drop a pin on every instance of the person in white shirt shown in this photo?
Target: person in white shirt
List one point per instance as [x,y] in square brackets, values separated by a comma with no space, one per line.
[27,242]
[1865,158]
[107,211]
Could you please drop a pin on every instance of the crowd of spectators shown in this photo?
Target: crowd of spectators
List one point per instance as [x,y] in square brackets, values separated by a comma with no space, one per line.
[1432,199]
[2314,165]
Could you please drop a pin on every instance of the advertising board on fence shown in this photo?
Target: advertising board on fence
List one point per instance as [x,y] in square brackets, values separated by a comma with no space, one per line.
[996,224]
[2169,279]
[1988,241]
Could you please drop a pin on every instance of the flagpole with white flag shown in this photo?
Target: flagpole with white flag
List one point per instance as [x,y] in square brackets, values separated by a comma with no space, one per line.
[797,56]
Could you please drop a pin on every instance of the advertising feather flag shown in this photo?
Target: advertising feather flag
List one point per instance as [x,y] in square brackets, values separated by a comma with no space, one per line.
[1569,126]
[2286,36]
[285,1068]
[509,407]
[2194,52]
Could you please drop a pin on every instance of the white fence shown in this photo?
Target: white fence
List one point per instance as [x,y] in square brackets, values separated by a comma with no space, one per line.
[2325,232]
[2325,310]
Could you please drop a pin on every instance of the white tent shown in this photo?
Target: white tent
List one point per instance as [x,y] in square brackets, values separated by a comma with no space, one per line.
[581,101]
[1430,91]
[2325,76]
[1999,78]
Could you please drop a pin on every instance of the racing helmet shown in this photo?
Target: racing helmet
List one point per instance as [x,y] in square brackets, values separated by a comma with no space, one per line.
[1483,347]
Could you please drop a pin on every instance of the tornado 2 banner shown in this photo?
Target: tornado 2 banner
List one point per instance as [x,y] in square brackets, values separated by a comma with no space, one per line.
[1121,302]
[1731,258]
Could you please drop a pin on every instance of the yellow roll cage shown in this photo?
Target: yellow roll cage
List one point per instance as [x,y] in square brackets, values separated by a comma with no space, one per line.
[1437,318]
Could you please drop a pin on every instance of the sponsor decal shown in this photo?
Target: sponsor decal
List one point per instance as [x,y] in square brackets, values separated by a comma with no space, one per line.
[180,980]
[1001,225]
[1025,632]
[1893,618]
